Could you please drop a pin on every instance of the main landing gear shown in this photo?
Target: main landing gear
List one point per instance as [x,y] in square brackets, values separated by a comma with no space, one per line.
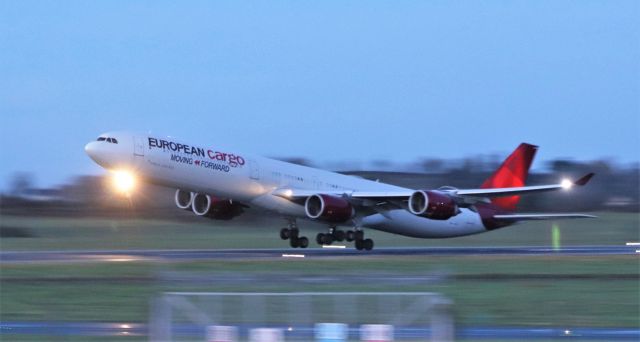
[350,235]
[293,235]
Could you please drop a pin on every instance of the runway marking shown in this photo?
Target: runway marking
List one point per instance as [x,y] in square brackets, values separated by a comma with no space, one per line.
[121,259]
[336,250]
[633,243]
[334,246]
[191,330]
[293,255]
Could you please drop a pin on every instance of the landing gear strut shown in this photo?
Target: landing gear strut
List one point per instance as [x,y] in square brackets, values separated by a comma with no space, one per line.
[292,234]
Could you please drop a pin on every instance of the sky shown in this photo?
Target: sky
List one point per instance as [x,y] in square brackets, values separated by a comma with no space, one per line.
[325,80]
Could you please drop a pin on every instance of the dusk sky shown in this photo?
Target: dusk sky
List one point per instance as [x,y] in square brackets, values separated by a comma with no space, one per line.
[327,80]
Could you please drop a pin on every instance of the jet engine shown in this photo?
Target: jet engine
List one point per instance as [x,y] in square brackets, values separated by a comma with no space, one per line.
[183,199]
[328,208]
[433,204]
[215,208]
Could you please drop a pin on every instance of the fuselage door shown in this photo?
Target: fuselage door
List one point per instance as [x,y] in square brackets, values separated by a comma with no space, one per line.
[317,184]
[138,146]
[255,169]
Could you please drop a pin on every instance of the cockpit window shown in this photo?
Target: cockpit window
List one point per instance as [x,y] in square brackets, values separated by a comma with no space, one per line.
[109,140]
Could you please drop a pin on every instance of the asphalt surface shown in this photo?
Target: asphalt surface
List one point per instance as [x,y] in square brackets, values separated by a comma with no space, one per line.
[307,332]
[335,251]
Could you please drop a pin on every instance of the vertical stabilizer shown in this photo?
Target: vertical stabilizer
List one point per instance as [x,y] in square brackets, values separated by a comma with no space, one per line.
[512,173]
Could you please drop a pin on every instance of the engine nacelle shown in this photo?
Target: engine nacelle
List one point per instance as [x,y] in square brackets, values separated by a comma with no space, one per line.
[328,208]
[215,208]
[433,204]
[183,199]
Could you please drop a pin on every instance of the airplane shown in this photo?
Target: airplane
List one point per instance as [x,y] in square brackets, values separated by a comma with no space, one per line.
[219,183]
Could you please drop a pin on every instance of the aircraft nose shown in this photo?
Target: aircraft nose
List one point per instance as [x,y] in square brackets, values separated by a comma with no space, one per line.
[92,149]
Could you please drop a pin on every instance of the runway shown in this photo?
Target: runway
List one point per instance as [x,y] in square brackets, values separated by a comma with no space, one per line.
[298,333]
[335,251]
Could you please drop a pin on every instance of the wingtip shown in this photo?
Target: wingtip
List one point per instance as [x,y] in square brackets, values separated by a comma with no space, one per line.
[584,179]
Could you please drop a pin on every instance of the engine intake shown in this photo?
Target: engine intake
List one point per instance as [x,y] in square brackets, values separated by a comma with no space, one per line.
[433,204]
[215,208]
[328,208]
[183,199]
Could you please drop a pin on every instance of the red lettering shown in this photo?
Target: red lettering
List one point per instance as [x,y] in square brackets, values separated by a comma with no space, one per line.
[232,159]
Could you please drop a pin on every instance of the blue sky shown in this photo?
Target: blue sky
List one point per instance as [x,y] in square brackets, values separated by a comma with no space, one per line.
[329,80]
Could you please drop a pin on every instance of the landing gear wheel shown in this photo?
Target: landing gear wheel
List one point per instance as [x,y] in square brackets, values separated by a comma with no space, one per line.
[350,235]
[294,233]
[359,245]
[294,242]
[285,233]
[367,244]
[327,239]
[359,235]
[338,235]
[303,242]
[319,238]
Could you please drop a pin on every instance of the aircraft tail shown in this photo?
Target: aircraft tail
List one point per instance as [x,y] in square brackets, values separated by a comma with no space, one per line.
[512,173]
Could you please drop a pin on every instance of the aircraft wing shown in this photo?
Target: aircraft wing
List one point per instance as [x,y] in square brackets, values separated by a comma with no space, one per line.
[499,192]
[293,194]
[465,195]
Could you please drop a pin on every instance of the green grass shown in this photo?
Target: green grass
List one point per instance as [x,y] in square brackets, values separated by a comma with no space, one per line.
[93,291]
[591,302]
[91,233]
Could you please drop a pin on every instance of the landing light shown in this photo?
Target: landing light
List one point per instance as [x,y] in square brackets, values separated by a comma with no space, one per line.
[566,184]
[123,181]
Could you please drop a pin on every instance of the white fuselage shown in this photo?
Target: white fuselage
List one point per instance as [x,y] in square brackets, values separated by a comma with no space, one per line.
[251,179]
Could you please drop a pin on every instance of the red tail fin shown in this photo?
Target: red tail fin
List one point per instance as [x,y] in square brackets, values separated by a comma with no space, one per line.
[512,173]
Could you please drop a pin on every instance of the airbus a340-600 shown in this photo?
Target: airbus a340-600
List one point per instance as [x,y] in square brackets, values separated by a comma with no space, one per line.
[218,183]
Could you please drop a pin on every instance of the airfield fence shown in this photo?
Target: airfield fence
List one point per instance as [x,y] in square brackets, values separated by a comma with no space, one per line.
[187,316]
